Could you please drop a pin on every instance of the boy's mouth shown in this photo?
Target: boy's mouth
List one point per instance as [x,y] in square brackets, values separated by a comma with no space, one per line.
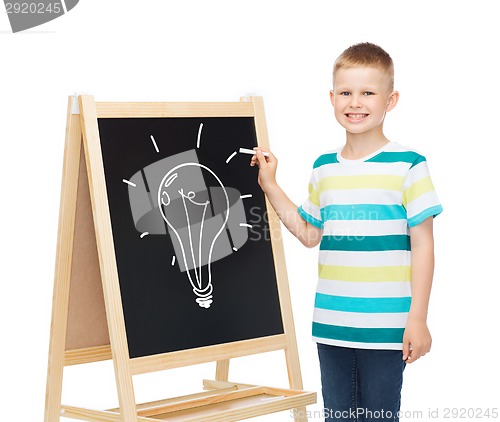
[356,117]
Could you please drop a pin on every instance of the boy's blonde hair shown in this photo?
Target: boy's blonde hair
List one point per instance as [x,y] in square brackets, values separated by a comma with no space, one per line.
[368,55]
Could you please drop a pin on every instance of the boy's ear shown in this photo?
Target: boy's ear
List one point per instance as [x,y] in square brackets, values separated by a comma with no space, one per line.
[332,97]
[392,101]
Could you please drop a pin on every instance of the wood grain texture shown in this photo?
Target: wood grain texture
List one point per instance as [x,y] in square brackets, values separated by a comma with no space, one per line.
[291,351]
[97,415]
[87,355]
[64,253]
[222,370]
[207,354]
[107,259]
[237,402]
[201,109]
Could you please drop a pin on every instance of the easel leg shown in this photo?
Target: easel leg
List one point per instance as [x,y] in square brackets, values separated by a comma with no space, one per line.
[56,360]
[62,278]
[294,376]
[107,263]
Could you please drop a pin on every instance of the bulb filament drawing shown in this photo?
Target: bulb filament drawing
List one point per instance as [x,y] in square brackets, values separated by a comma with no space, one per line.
[196,215]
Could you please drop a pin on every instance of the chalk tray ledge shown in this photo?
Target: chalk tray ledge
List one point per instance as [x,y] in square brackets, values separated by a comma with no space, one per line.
[221,402]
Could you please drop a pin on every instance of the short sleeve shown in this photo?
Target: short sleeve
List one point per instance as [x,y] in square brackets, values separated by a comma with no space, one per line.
[419,196]
[310,209]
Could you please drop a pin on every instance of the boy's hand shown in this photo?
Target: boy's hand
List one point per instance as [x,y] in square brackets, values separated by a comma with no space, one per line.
[267,167]
[416,340]
[286,210]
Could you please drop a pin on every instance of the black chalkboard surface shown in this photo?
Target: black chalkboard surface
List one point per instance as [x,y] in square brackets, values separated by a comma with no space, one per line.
[190,232]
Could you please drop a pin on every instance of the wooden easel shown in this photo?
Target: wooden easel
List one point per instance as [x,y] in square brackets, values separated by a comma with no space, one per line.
[87,316]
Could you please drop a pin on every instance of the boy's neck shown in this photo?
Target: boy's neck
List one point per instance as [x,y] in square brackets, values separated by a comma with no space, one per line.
[361,145]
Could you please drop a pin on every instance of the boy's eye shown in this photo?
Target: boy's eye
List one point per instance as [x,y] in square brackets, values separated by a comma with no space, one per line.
[345,93]
[368,93]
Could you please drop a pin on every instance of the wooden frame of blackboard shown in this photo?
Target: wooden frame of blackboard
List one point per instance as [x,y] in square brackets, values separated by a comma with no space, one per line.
[87,317]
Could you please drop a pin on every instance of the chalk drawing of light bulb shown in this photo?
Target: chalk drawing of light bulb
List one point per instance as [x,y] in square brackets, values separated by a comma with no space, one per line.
[196,216]
[204,219]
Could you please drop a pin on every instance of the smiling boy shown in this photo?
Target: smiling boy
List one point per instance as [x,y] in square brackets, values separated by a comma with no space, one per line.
[370,207]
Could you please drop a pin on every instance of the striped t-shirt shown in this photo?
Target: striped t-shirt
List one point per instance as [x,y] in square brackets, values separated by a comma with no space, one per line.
[366,208]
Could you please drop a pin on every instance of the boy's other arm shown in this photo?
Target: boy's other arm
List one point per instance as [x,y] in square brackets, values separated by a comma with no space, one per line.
[416,333]
[308,234]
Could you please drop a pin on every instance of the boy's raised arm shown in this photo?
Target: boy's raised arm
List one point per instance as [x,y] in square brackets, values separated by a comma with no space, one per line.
[308,234]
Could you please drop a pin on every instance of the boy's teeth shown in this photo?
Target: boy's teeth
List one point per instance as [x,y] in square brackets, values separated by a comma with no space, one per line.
[357,116]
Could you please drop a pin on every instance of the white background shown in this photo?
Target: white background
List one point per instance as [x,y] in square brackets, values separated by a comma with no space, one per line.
[447,73]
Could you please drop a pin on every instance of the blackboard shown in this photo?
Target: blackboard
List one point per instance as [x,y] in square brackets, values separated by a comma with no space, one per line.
[163,313]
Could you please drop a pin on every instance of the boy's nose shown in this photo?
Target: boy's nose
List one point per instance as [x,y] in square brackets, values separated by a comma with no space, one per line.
[355,103]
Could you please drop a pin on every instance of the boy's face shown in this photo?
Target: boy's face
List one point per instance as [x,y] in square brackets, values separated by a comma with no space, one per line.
[361,96]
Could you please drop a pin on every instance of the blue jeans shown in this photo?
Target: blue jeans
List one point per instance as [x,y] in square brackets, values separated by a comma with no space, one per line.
[361,385]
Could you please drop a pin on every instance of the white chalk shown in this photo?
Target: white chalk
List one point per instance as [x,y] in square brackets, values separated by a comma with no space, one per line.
[128,182]
[251,152]
[154,143]
[228,159]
